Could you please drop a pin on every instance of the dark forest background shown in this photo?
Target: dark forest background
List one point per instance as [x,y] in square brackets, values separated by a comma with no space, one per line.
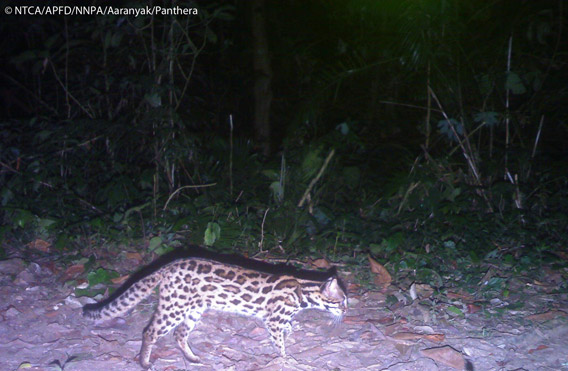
[430,135]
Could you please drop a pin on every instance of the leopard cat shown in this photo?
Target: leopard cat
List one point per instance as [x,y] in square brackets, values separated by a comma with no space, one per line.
[188,287]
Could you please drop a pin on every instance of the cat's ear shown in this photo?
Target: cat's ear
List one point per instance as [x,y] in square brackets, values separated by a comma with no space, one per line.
[333,290]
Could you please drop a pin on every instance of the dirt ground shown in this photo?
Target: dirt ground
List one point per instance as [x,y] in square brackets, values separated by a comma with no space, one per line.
[41,328]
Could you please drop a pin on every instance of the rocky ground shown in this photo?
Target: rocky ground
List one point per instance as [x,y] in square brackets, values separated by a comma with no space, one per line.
[41,328]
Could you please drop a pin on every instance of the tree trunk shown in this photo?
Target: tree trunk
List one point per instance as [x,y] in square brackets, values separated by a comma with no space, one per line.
[262,77]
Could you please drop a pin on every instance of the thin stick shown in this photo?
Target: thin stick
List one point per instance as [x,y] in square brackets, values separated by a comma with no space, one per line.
[537,136]
[231,157]
[29,92]
[282,175]
[427,108]
[507,93]
[196,52]
[262,231]
[19,173]
[406,194]
[460,142]
[68,93]
[467,152]
[428,111]
[184,187]
[313,182]
[239,196]
[87,142]
[536,140]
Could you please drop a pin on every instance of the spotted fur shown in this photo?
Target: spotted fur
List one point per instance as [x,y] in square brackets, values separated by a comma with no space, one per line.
[189,287]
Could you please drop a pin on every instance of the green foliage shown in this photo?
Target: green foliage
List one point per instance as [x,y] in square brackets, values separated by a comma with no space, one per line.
[68,364]
[156,243]
[212,233]
[105,168]
[455,311]
[437,169]
[101,276]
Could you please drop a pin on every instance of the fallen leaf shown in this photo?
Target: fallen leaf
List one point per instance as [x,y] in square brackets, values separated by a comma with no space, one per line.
[540,347]
[353,287]
[367,335]
[412,291]
[40,245]
[120,280]
[11,311]
[134,256]
[553,276]
[257,331]
[406,336]
[382,276]
[390,329]
[487,276]
[454,311]
[460,295]
[321,263]
[561,254]
[446,355]
[422,290]
[472,308]
[51,266]
[402,348]
[73,271]
[385,320]
[51,314]
[436,338]
[541,317]
[353,320]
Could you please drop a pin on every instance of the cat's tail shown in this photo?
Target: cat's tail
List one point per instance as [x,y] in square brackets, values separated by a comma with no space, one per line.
[125,301]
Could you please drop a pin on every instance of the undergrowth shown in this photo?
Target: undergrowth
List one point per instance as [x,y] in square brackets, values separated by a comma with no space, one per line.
[436,157]
[428,221]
